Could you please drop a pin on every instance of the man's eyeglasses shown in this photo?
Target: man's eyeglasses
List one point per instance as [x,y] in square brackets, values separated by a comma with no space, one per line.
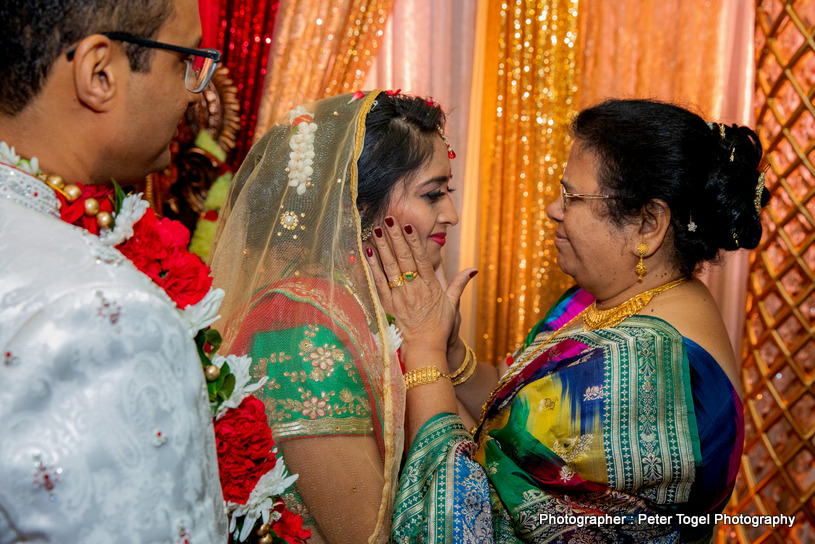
[565,196]
[201,63]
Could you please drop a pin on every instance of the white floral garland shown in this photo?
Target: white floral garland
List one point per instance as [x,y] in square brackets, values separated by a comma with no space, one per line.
[301,158]
[394,339]
[8,156]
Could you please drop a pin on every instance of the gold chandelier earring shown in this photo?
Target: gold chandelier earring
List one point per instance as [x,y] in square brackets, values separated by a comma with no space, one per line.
[641,269]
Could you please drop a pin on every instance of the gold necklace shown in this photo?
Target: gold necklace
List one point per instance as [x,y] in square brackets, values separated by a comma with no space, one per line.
[592,319]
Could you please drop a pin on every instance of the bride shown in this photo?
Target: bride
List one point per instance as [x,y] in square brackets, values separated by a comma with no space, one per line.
[290,251]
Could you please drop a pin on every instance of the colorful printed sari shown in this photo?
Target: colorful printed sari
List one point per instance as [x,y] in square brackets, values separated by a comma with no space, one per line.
[612,435]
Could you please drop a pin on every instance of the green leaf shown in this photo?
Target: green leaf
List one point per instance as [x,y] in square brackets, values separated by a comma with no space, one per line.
[118,196]
[214,339]
[228,386]
[200,340]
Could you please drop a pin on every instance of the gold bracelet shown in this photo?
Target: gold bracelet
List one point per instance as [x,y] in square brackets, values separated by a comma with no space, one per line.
[463,366]
[422,376]
[462,375]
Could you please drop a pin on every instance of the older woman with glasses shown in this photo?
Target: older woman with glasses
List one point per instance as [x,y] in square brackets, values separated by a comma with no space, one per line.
[619,418]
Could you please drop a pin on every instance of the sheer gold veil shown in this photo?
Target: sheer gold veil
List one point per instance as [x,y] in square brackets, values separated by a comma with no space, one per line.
[291,213]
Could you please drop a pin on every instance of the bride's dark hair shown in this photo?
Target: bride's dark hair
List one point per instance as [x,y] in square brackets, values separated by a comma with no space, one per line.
[398,142]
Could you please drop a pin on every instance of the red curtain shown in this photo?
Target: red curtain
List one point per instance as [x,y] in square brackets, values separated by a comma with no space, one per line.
[242,31]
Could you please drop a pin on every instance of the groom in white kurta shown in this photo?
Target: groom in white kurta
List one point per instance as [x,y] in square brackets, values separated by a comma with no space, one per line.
[105,429]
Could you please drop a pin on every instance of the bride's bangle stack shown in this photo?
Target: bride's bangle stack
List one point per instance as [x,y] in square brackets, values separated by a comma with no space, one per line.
[431,374]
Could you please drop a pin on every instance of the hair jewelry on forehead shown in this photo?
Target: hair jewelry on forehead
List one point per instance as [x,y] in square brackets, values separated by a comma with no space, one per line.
[450,152]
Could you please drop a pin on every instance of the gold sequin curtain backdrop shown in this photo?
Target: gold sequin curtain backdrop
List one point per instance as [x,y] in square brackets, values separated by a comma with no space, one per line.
[321,48]
[529,96]
[668,49]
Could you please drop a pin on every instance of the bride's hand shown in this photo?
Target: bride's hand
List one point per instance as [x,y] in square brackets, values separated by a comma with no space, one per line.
[425,311]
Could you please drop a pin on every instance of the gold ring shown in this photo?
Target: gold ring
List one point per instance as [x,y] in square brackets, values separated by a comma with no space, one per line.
[396,282]
[410,276]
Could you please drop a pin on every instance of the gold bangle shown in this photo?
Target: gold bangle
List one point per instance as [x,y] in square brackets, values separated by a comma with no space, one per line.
[463,366]
[422,376]
[463,375]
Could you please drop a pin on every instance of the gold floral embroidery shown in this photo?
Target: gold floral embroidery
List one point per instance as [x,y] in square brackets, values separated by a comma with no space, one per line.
[357,406]
[593,392]
[298,375]
[573,449]
[322,360]
[314,402]
[352,371]
[313,406]
[272,411]
[279,357]
[318,405]
[547,403]
[299,292]
[305,346]
[566,473]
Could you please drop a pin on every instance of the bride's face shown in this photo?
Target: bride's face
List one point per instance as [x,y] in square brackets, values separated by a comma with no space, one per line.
[424,202]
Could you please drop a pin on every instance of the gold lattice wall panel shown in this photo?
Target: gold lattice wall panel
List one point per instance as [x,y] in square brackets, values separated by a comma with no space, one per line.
[778,467]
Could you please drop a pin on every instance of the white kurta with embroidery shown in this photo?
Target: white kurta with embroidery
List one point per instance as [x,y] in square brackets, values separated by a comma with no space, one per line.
[105,430]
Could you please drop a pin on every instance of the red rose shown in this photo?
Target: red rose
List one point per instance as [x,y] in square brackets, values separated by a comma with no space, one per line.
[290,526]
[173,233]
[74,212]
[143,249]
[185,278]
[158,248]
[244,443]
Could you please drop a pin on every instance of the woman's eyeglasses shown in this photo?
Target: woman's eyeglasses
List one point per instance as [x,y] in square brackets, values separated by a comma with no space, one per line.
[565,196]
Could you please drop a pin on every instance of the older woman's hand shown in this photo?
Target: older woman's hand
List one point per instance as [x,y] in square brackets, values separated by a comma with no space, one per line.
[425,311]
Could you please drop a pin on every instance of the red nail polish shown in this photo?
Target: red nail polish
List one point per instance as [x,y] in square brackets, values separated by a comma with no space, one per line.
[408,229]
[389,221]
[378,232]
[473,273]
[369,252]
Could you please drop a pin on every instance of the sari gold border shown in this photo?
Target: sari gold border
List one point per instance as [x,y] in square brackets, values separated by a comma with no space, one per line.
[322,426]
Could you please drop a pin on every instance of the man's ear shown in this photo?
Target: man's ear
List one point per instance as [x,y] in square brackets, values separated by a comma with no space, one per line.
[95,72]
[654,221]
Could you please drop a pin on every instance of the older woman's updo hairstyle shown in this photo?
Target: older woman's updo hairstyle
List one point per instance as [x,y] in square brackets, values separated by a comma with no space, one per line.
[398,142]
[707,173]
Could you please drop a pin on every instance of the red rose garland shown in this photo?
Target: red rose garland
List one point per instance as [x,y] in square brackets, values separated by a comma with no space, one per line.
[158,248]
[244,443]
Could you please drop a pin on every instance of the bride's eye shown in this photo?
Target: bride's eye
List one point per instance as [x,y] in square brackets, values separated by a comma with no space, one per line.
[436,195]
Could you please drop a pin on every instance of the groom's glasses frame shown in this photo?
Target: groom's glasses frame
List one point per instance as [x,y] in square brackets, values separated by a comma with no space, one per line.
[201,63]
